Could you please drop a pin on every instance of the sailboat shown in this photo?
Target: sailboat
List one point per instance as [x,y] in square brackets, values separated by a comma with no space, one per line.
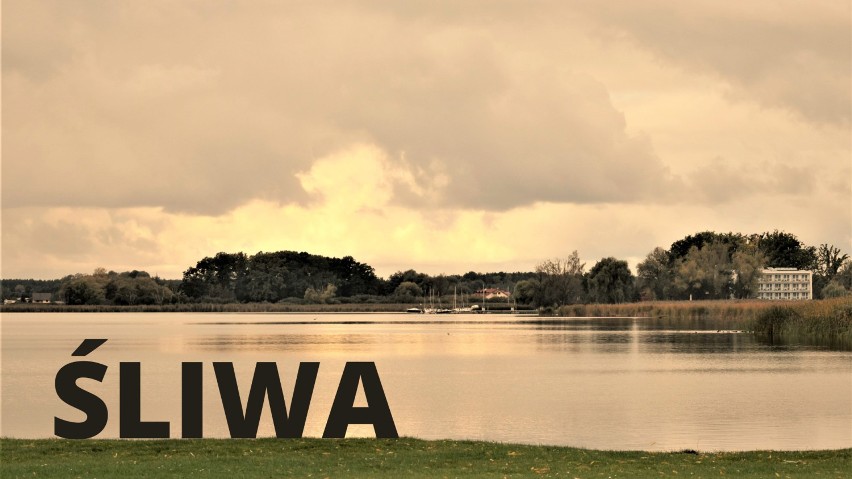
[441,309]
[456,309]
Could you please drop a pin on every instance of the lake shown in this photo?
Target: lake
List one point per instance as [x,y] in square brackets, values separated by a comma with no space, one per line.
[603,383]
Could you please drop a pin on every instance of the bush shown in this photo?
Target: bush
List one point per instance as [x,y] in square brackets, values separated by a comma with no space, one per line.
[834,290]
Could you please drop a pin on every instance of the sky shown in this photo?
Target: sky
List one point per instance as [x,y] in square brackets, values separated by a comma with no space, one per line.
[442,136]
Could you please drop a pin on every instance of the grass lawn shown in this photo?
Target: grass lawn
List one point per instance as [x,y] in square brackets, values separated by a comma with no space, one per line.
[235,458]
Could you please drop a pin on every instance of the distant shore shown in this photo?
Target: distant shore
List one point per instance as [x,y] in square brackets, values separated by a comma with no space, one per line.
[237,308]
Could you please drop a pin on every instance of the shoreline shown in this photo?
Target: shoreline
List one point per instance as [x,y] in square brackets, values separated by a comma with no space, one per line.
[828,318]
[366,308]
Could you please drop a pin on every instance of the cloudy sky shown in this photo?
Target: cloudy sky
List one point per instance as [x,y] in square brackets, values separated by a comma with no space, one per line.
[441,136]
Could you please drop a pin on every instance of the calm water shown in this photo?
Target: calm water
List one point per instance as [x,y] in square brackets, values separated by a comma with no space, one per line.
[597,383]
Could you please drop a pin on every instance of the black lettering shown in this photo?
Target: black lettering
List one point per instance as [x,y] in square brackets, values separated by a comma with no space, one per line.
[75,396]
[266,383]
[343,412]
[192,400]
[130,407]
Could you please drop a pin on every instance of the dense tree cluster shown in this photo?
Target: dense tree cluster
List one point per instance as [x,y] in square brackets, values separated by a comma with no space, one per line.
[711,265]
[706,265]
[272,277]
[302,277]
[102,287]
[23,289]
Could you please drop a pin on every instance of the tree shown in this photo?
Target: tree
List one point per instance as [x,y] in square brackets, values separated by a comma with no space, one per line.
[408,290]
[439,285]
[681,248]
[354,277]
[525,291]
[844,274]
[135,288]
[267,279]
[560,281]
[784,250]
[826,266]
[610,281]
[82,289]
[705,273]
[829,261]
[122,290]
[747,265]
[215,277]
[320,296]
[420,279]
[655,277]
[834,290]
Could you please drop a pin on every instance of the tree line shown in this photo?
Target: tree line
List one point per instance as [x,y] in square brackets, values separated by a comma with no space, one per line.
[100,287]
[711,265]
[705,265]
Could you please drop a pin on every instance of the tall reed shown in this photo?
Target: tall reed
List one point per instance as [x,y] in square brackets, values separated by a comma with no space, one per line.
[735,309]
[831,318]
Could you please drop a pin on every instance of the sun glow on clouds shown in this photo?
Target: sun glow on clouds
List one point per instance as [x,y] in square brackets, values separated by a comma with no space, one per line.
[352,212]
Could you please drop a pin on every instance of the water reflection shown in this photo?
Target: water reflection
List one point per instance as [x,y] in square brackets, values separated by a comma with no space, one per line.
[796,343]
[610,383]
[610,336]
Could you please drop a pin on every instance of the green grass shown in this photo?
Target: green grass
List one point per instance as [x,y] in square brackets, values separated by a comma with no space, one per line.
[235,458]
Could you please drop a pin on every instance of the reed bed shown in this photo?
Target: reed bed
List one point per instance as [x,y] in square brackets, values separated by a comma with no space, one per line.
[739,310]
[827,318]
[830,319]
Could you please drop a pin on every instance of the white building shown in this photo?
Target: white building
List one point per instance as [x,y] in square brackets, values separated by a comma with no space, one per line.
[785,283]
